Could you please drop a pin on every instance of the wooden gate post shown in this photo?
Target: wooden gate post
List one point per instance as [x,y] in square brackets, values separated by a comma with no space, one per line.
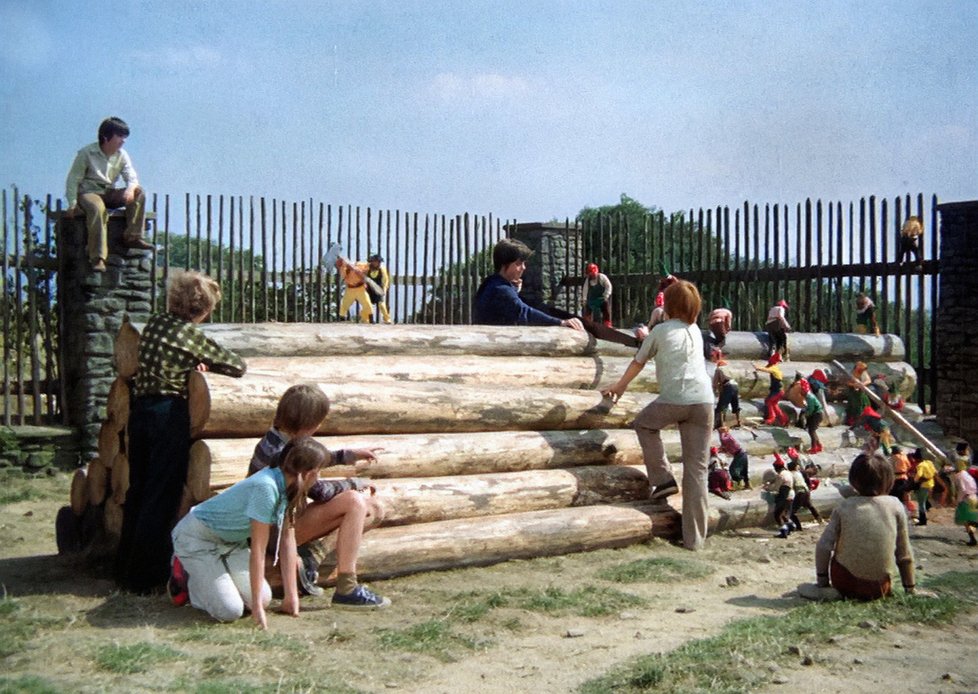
[93,305]
[956,348]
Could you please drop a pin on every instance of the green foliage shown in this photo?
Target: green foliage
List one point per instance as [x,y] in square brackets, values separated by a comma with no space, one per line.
[27,684]
[131,658]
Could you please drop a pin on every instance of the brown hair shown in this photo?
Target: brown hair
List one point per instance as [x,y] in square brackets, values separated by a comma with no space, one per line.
[682,301]
[301,407]
[191,295]
[509,251]
[301,455]
[871,474]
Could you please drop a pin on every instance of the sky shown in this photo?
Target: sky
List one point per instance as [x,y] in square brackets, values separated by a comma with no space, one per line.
[528,110]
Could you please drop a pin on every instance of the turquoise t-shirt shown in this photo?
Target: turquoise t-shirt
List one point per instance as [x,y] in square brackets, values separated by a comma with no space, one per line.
[260,497]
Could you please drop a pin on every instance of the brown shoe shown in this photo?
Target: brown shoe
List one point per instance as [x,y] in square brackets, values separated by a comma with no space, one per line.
[139,244]
[98,265]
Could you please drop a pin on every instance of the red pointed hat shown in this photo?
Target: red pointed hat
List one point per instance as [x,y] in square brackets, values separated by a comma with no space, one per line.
[592,269]
[714,450]
[782,304]
[792,452]
[870,412]
[819,375]
[660,299]
[774,359]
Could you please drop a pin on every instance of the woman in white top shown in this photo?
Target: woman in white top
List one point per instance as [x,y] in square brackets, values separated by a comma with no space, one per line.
[685,399]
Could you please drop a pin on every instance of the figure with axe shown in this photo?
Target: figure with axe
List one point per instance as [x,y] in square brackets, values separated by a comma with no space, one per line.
[358,284]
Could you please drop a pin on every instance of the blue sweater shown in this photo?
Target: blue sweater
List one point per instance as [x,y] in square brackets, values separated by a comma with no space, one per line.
[497,303]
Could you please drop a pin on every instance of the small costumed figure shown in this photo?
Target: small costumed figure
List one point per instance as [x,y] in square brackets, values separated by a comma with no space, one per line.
[719,323]
[739,462]
[910,234]
[777,327]
[802,490]
[726,390]
[596,296]
[818,382]
[866,315]
[781,487]
[718,480]
[356,289]
[813,416]
[378,273]
[856,398]
[659,314]
[772,412]
[966,497]
[878,428]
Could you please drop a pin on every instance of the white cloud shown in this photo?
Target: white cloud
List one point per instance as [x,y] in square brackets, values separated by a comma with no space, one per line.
[449,86]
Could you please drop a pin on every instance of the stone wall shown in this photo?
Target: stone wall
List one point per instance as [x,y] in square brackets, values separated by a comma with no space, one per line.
[95,305]
[957,322]
[556,248]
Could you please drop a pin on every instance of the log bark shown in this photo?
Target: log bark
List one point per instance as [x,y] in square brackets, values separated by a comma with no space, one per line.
[245,407]
[199,478]
[108,442]
[126,349]
[112,519]
[78,495]
[120,478]
[98,482]
[117,403]
[424,500]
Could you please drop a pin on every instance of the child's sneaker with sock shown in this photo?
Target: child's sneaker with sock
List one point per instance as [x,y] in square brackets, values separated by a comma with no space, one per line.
[360,598]
[177,585]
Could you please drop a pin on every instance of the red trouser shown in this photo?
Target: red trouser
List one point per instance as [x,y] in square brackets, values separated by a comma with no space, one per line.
[773,413]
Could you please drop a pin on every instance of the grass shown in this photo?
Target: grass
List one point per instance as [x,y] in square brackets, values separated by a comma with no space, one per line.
[16,486]
[655,570]
[19,623]
[130,659]
[735,659]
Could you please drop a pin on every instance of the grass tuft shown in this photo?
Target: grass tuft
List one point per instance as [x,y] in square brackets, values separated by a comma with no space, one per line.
[133,658]
[28,684]
[655,570]
[434,637]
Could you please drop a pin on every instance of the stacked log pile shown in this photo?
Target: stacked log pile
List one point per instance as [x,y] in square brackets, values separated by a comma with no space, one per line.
[496,442]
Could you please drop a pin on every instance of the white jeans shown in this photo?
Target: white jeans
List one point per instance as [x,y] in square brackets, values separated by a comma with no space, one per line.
[218,576]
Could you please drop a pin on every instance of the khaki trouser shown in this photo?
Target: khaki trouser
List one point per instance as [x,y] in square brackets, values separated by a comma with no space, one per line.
[96,207]
[695,426]
[357,294]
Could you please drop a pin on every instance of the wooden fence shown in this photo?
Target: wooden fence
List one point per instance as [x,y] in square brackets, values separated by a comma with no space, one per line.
[265,253]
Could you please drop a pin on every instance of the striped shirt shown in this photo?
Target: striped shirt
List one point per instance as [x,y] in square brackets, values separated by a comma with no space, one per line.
[170,348]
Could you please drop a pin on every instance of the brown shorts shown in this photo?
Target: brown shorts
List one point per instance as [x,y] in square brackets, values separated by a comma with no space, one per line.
[854,587]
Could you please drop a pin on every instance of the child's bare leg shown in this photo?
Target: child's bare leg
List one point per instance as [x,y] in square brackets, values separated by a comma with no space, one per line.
[346,513]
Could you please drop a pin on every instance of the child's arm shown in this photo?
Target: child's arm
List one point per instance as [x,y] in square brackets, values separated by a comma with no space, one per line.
[289,565]
[256,570]
[824,548]
[219,360]
[616,391]
[904,554]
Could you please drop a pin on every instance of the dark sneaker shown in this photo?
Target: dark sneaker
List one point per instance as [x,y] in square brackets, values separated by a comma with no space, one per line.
[661,491]
[177,585]
[361,598]
[309,574]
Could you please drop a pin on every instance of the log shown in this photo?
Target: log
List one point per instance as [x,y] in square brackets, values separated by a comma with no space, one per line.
[199,478]
[187,502]
[354,340]
[78,496]
[117,403]
[98,482]
[429,499]
[199,402]
[108,442]
[126,349]
[753,346]
[112,520]
[240,407]
[120,478]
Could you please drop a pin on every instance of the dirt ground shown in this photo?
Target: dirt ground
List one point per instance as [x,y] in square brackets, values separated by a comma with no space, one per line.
[752,573]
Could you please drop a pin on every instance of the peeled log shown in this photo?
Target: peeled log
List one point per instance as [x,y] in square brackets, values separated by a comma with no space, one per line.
[117,403]
[78,496]
[199,479]
[120,478]
[108,443]
[98,482]
[439,498]
[126,350]
[244,407]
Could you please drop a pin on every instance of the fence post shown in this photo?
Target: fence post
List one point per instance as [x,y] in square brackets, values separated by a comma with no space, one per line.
[93,307]
[957,397]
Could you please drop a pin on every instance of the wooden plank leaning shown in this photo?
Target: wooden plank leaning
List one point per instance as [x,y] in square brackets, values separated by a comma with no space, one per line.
[938,454]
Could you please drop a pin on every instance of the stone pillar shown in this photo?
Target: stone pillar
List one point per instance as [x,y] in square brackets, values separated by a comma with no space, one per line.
[957,322]
[556,255]
[93,307]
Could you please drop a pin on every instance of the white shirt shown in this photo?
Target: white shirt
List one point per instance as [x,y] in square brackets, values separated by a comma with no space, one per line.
[679,364]
[93,172]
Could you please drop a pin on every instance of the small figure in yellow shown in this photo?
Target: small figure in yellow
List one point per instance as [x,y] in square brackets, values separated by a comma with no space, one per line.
[353,276]
[378,273]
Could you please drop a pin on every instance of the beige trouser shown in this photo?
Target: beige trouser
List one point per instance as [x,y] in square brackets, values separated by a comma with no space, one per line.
[96,207]
[695,426]
[357,294]
[385,314]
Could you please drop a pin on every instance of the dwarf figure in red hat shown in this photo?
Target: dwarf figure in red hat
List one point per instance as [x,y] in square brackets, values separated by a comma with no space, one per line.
[718,480]
[772,412]
[596,295]
[777,327]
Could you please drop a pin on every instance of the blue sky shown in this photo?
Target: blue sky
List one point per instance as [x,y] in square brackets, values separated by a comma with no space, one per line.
[528,110]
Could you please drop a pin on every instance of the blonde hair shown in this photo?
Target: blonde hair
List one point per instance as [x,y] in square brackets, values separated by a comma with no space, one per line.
[191,295]
[912,227]
[300,408]
[682,301]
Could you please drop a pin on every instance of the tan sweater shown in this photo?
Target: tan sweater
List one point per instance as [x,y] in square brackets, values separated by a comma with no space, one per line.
[869,536]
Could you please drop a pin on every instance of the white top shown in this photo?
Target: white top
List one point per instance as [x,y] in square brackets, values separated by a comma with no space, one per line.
[679,364]
[93,172]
